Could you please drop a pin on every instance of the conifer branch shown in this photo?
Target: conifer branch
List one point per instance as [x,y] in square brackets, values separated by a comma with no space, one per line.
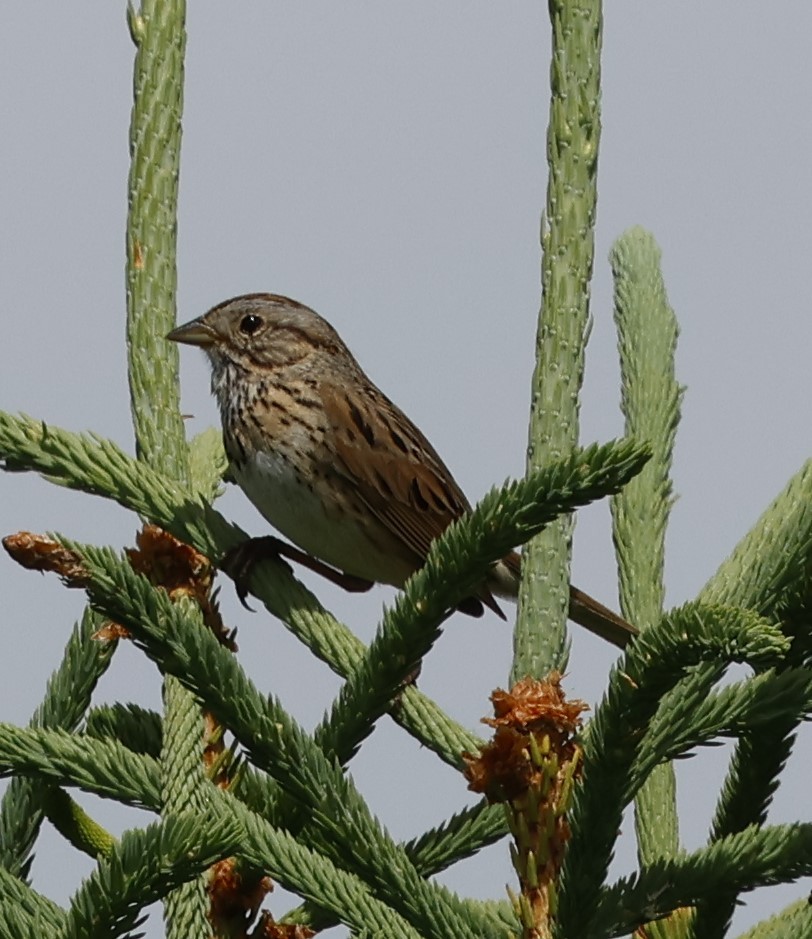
[145,866]
[650,401]
[460,836]
[342,827]
[457,563]
[17,923]
[66,699]
[793,921]
[767,571]
[103,767]
[341,895]
[568,248]
[17,896]
[754,857]
[134,727]
[652,665]
[727,712]
[97,466]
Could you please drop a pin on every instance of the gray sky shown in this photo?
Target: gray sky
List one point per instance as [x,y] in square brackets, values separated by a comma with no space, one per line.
[384,163]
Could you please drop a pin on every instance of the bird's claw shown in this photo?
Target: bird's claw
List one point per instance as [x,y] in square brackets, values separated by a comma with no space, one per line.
[242,593]
[239,563]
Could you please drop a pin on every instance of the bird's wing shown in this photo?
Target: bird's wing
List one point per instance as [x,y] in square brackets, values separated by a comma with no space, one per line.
[392,467]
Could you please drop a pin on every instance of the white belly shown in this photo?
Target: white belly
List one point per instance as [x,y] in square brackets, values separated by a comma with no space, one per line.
[302,517]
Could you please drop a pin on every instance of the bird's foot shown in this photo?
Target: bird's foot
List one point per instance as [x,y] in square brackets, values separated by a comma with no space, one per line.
[239,563]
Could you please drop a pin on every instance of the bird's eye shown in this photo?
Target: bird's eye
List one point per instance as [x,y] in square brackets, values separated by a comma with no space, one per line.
[250,323]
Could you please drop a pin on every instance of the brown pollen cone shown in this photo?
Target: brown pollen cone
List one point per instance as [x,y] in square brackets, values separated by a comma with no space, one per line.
[182,571]
[530,764]
[41,553]
[159,556]
[268,928]
[235,893]
[44,554]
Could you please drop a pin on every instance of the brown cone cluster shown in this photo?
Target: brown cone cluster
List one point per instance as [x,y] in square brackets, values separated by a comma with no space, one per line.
[41,553]
[182,571]
[269,929]
[236,892]
[163,559]
[531,764]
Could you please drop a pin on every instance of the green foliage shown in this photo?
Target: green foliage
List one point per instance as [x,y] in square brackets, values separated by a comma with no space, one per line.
[22,907]
[795,920]
[753,857]
[290,810]
[101,766]
[66,699]
[145,866]
[567,237]
[134,727]
[158,31]
[650,401]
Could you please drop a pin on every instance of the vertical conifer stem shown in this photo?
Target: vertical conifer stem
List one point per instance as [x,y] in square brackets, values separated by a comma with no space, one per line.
[158,29]
[540,642]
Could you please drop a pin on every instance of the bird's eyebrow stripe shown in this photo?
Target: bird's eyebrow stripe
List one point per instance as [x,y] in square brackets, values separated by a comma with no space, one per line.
[275,298]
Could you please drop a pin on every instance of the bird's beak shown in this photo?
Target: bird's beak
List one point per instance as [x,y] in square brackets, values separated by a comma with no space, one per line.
[194,333]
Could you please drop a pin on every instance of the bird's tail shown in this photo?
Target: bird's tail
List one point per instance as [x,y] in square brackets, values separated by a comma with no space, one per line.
[583,609]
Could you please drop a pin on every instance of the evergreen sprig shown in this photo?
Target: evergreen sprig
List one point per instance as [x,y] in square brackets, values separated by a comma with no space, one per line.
[135,727]
[341,823]
[768,571]
[18,923]
[17,897]
[66,699]
[95,465]
[770,565]
[104,767]
[568,251]
[460,836]
[795,920]
[653,664]
[146,865]
[98,466]
[457,564]
[650,401]
[341,894]
[755,857]
[727,712]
